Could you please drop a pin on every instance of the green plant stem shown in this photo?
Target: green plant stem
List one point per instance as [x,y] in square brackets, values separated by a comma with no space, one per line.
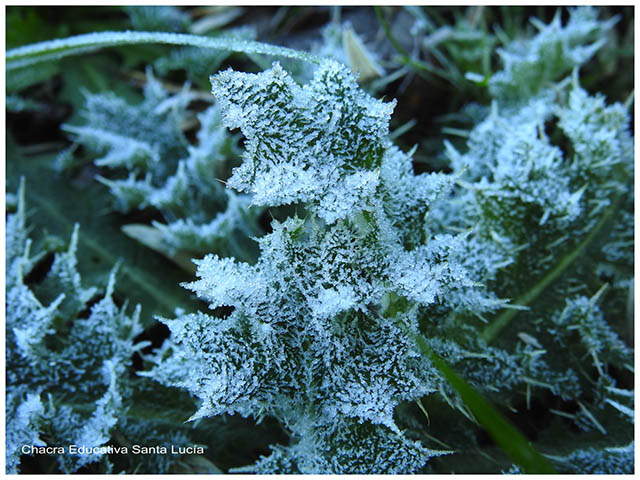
[492,330]
[512,442]
[55,49]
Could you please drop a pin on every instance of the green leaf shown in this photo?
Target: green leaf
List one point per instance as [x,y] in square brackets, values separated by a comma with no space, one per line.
[23,78]
[514,444]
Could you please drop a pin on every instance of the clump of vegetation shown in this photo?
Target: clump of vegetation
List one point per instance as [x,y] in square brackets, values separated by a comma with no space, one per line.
[359,307]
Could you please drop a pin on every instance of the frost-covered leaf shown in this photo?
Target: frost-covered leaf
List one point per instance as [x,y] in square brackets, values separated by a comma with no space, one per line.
[56,356]
[139,137]
[351,448]
[612,460]
[318,143]
[93,432]
[183,181]
[531,64]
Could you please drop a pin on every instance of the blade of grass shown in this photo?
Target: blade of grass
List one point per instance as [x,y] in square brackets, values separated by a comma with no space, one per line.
[55,49]
[512,442]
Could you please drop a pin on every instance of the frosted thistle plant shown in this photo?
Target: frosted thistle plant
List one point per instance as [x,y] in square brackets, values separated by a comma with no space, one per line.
[58,357]
[531,65]
[371,262]
[145,142]
[535,204]
[527,176]
[381,305]
[317,334]
[69,364]
[511,173]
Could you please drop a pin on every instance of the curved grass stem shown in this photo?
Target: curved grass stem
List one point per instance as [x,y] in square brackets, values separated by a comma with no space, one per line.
[55,49]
